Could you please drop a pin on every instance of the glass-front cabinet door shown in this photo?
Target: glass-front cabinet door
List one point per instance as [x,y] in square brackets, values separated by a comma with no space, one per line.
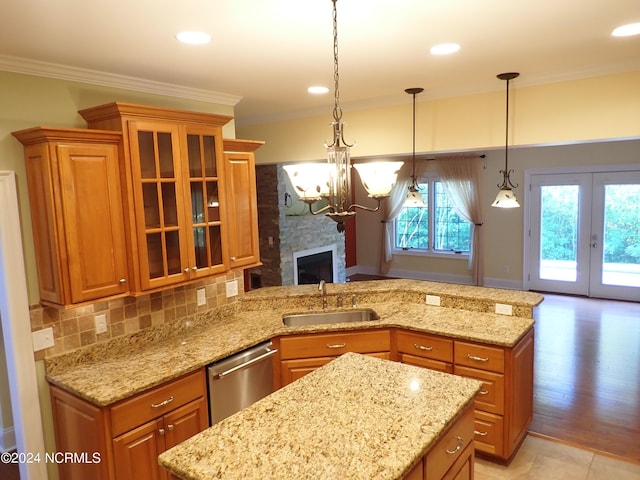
[206,209]
[160,218]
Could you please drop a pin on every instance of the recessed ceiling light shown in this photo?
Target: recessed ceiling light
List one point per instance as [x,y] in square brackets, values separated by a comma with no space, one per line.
[444,49]
[317,90]
[194,38]
[627,30]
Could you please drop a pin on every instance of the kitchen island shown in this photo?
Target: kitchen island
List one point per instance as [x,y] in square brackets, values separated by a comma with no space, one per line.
[113,396]
[357,417]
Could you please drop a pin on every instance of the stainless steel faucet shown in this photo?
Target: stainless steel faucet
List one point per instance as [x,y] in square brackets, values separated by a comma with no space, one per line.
[323,288]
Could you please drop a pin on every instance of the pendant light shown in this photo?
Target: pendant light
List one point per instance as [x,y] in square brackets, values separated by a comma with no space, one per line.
[506,198]
[331,181]
[414,199]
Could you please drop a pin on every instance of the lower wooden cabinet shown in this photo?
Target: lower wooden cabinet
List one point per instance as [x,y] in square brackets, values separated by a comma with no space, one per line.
[130,434]
[301,354]
[452,457]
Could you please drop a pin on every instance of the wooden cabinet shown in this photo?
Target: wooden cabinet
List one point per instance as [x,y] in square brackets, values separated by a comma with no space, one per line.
[175,191]
[130,434]
[77,213]
[301,354]
[242,202]
[504,405]
[452,457]
[425,350]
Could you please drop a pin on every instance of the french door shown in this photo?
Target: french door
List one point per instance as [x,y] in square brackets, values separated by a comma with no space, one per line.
[585,234]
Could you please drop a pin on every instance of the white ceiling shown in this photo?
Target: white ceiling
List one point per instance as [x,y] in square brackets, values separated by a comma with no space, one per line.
[267,52]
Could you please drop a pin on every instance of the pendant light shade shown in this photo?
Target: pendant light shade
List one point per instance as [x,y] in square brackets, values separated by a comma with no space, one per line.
[414,199]
[506,198]
[332,180]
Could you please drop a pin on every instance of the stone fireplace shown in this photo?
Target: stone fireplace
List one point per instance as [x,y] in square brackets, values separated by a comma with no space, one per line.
[286,227]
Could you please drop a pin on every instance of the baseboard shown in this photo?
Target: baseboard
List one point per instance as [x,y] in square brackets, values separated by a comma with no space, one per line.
[503,283]
[7,439]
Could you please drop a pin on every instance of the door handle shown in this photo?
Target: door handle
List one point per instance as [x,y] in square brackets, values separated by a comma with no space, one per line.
[594,245]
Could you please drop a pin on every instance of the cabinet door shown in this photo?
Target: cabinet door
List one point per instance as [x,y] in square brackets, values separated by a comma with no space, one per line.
[93,218]
[292,370]
[240,174]
[185,422]
[135,453]
[205,202]
[160,222]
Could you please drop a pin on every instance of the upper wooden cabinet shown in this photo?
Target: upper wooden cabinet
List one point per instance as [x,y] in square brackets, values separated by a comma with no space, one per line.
[242,202]
[174,179]
[76,212]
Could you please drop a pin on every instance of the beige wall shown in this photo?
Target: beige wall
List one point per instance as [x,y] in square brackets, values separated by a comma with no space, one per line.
[584,114]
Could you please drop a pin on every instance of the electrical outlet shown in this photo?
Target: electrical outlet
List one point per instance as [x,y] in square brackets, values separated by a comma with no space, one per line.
[101,323]
[232,288]
[42,339]
[433,300]
[504,309]
[201,297]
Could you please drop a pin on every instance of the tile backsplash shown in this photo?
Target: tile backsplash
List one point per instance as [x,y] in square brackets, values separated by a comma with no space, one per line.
[75,327]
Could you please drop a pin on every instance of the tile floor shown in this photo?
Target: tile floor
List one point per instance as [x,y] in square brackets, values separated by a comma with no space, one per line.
[540,459]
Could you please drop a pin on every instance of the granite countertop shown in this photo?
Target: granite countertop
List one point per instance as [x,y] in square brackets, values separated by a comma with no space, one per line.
[363,418]
[112,371]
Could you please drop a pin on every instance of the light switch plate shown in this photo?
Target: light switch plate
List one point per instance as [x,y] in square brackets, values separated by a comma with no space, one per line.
[433,300]
[42,339]
[232,288]
[201,297]
[504,309]
[101,323]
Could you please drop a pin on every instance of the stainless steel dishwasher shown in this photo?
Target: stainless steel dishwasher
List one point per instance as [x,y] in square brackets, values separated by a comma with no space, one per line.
[240,380]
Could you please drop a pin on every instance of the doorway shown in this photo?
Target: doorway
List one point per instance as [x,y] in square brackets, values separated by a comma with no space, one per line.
[584,233]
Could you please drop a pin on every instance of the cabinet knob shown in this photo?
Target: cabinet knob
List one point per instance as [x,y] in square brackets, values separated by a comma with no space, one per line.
[187,270]
[233,259]
[123,281]
[194,268]
[161,431]
[170,426]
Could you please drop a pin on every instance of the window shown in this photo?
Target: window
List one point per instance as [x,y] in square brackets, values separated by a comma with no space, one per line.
[436,227]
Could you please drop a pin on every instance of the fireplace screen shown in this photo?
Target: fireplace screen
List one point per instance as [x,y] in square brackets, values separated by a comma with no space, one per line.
[315,267]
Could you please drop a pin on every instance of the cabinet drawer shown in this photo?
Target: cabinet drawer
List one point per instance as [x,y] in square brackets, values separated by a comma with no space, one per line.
[490,398]
[451,446]
[489,431]
[156,402]
[479,356]
[426,363]
[427,346]
[334,344]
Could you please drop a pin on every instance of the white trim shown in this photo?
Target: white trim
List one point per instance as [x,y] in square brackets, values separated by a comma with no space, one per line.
[504,283]
[105,79]
[431,276]
[7,439]
[312,251]
[16,330]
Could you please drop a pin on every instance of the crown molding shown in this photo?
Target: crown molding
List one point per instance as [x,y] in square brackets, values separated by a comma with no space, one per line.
[94,77]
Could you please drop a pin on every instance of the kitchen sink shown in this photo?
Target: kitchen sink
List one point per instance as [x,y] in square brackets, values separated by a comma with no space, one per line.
[321,318]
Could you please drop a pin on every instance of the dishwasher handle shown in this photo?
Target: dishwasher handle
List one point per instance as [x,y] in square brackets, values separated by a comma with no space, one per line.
[246,364]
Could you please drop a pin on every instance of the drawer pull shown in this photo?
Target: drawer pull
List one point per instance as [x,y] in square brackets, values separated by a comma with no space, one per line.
[336,345]
[483,392]
[458,446]
[422,347]
[477,359]
[481,434]
[162,403]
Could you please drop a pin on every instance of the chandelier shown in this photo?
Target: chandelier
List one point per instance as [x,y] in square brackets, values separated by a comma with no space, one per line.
[331,181]
[414,199]
[506,198]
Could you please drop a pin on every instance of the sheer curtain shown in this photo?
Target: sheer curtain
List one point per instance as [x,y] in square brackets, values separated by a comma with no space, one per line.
[460,176]
[391,209]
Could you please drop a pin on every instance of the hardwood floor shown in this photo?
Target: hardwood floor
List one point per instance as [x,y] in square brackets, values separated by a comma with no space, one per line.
[587,373]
